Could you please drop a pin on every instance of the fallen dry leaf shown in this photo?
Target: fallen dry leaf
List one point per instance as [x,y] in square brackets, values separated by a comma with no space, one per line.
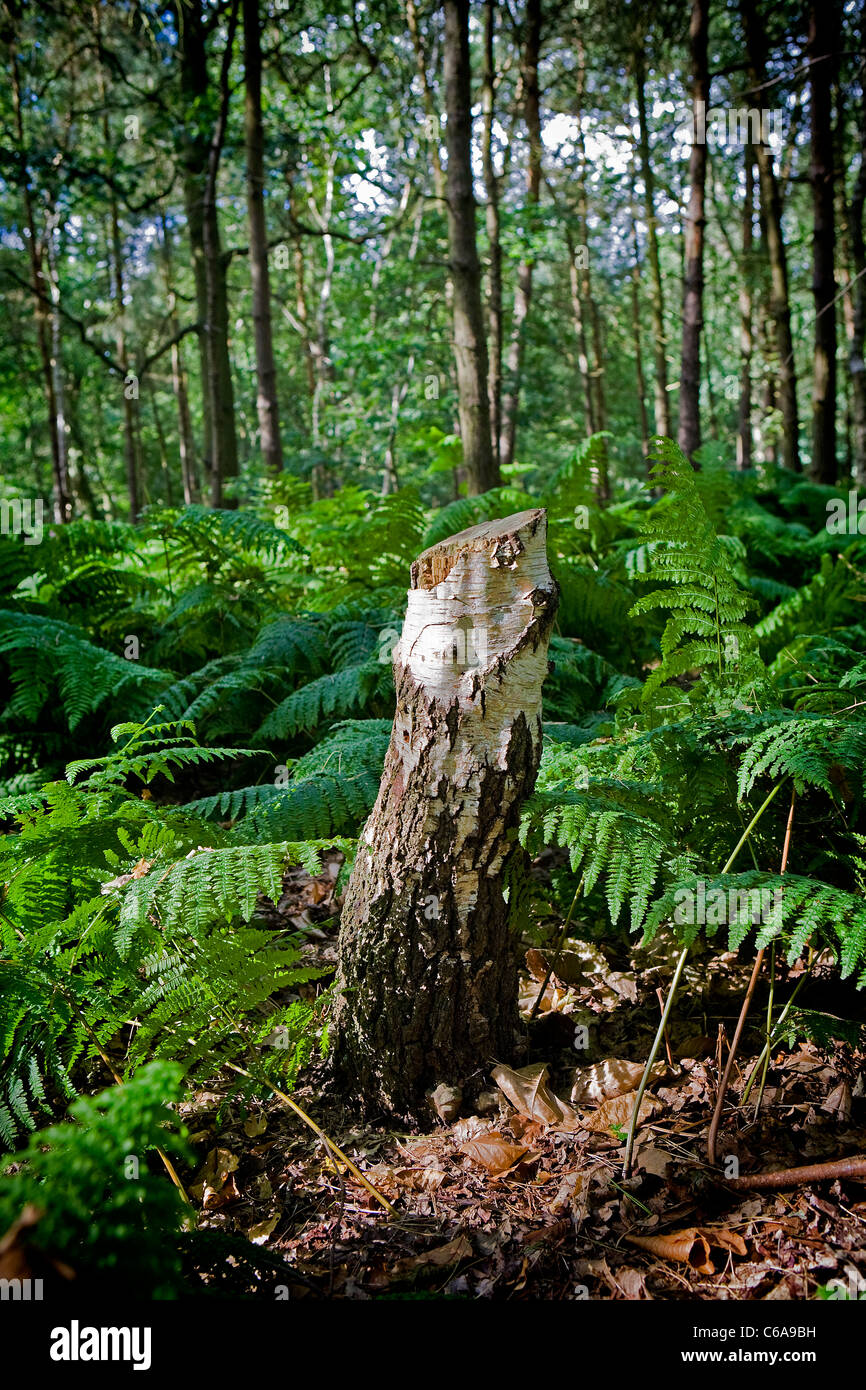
[451,1254]
[724,1239]
[493,1152]
[838,1103]
[259,1233]
[213,1174]
[530,1095]
[605,1080]
[689,1247]
[569,1192]
[692,1246]
[630,1283]
[616,1113]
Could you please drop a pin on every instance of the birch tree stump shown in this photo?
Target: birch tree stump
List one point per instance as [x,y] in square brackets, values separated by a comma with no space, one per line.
[427,979]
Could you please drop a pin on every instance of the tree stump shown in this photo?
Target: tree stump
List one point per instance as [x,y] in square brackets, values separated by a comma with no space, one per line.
[427,980]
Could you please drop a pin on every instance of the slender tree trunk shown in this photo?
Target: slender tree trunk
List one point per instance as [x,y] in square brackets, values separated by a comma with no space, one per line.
[844,258]
[62,500]
[708,380]
[320,341]
[821,67]
[427,981]
[744,427]
[579,320]
[689,434]
[771,203]
[590,319]
[657,304]
[58,384]
[129,387]
[523,288]
[117,292]
[267,405]
[186,447]
[201,159]
[856,359]
[638,347]
[168,496]
[494,247]
[470,344]
[302,317]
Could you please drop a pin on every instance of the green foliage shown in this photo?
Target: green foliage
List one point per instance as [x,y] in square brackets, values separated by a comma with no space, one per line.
[107,1211]
[704,591]
[128,930]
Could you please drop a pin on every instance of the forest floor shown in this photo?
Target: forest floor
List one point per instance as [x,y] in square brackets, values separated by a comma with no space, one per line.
[523,1197]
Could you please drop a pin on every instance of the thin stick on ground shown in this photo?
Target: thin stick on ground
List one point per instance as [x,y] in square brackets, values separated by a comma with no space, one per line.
[744,1011]
[329,1144]
[854,1167]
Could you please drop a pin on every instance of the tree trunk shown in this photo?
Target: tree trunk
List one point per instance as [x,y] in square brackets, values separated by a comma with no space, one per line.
[62,501]
[744,429]
[117,292]
[689,434]
[657,303]
[771,203]
[590,325]
[856,360]
[470,344]
[494,246]
[267,406]
[427,981]
[523,289]
[636,335]
[131,459]
[821,65]
[58,385]
[579,320]
[201,157]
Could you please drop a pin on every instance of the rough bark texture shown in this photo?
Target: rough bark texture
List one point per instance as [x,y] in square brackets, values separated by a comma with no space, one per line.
[744,428]
[857,358]
[523,288]
[771,207]
[428,976]
[821,66]
[470,343]
[267,406]
[640,377]
[200,160]
[689,438]
[39,282]
[660,380]
[494,251]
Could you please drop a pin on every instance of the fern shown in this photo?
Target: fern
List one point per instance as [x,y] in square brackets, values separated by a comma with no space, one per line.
[706,600]
[129,929]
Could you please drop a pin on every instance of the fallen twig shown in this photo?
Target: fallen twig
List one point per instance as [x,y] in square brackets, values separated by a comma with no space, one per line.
[794,1177]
